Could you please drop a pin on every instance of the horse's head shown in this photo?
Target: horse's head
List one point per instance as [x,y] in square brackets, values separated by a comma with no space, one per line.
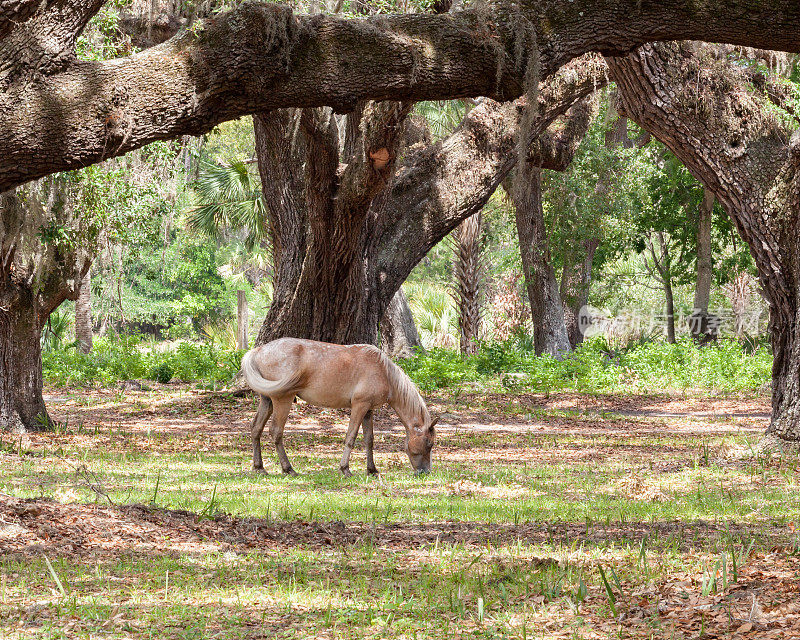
[420,438]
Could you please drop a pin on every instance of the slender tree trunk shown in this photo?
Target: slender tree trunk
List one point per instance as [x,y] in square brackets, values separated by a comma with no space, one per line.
[399,335]
[241,320]
[83,314]
[705,272]
[468,276]
[550,331]
[670,309]
[21,404]
[699,320]
[575,285]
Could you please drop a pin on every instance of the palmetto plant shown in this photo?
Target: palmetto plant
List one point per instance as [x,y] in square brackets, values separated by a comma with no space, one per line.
[56,330]
[230,201]
[442,116]
[434,313]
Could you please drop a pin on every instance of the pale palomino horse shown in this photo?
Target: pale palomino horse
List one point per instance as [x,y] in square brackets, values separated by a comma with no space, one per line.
[358,376]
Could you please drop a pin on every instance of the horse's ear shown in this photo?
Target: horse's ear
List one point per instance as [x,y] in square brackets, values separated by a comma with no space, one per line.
[434,422]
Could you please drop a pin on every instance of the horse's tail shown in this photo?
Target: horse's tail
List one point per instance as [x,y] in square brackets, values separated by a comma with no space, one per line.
[262,385]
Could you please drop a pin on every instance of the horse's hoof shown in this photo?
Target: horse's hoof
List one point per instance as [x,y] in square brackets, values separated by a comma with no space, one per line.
[346,472]
[259,470]
[290,472]
[373,472]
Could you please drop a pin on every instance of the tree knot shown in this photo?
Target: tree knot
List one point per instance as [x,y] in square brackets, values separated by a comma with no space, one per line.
[380,158]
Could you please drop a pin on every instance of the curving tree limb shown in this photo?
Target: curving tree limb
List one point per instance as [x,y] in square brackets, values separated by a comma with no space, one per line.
[58,113]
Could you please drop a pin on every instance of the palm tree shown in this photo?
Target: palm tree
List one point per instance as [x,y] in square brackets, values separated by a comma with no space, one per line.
[468,275]
[230,203]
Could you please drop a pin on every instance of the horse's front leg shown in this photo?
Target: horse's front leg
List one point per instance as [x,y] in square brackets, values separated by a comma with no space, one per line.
[369,440]
[357,413]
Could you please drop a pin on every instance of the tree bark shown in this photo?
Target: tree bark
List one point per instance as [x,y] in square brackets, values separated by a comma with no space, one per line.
[575,285]
[323,289]
[669,296]
[83,314]
[468,274]
[344,246]
[399,335]
[547,314]
[35,278]
[241,320]
[59,113]
[725,135]
[705,270]
[699,320]
[22,407]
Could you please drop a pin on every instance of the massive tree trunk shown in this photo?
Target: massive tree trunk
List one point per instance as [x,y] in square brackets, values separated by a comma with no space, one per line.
[322,288]
[83,314]
[399,335]
[35,277]
[21,404]
[468,275]
[343,246]
[59,113]
[549,329]
[721,125]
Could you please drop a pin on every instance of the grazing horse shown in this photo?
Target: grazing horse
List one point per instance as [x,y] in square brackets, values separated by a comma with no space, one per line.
[358,376]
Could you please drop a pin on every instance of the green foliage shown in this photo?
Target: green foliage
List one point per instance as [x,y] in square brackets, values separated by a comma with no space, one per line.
[56,330]
[649,366]
[440,368]
[178,287]
[434,313]
[103,39]
[129,358]
[162,372]
[229,200]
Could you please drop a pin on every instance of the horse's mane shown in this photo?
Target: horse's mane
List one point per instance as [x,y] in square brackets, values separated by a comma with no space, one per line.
[404,392]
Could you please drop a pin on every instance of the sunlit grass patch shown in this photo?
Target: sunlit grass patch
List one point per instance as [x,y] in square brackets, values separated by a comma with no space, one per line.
[505,539]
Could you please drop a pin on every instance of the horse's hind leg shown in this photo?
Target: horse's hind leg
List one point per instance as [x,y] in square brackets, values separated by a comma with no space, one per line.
[262,415]
[369,439]
[282,409]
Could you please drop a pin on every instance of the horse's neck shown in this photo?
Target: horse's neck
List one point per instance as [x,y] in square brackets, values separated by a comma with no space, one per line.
[408,406]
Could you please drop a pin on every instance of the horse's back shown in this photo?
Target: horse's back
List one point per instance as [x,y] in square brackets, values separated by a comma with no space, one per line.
[332,375]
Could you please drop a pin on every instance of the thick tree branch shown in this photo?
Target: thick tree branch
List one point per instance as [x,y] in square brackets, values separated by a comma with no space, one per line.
[444,183]
[555,148]
[44,42]
[259,57]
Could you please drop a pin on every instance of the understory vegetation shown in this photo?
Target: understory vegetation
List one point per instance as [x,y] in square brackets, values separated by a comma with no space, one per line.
[595,366]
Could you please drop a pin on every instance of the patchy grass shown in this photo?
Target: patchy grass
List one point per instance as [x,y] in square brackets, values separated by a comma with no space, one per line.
[530,498]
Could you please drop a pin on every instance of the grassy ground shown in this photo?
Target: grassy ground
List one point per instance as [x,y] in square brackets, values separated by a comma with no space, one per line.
[567,516]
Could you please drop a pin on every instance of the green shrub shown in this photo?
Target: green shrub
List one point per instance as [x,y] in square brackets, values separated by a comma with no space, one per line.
[440,368]
[126,358]
[647,366]
[162,373]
